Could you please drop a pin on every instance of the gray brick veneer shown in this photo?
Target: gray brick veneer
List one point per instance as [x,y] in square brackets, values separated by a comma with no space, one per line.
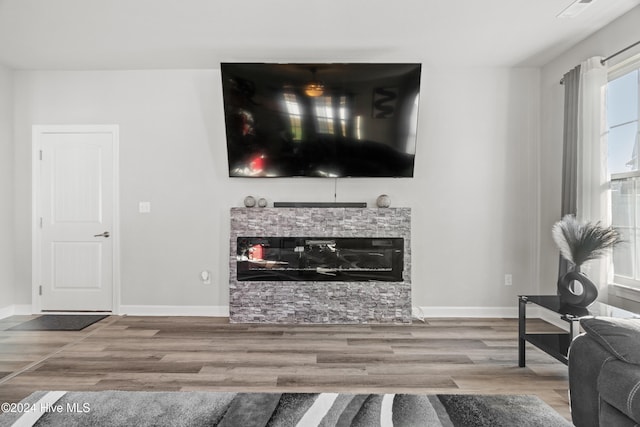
[320,302]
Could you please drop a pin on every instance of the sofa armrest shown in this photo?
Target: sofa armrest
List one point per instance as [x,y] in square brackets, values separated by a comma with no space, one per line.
[621,337]
[586,357]
[619,386]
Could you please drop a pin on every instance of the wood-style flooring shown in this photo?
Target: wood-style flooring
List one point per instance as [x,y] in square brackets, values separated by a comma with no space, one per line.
[476,356]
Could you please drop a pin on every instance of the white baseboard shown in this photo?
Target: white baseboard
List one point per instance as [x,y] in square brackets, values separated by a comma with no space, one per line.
[510,312]
[223,311]
[6,311]
[137,310]
[175,310]
[22,309]
[15,309]
[486,312]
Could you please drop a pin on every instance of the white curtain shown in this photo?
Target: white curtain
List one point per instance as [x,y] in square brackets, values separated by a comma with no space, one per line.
[592,202]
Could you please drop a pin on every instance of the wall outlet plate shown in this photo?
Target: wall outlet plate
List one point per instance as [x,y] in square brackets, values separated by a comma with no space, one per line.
[206,277]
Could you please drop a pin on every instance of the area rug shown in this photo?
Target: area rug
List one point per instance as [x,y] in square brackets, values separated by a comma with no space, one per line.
[59,322]
[125,408]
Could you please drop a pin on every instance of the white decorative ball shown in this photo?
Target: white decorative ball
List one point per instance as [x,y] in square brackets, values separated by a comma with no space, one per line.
[383,201]
[249,201]
[262,202]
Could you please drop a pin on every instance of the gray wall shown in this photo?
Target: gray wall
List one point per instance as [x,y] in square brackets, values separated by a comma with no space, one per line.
[485,194]
[6,188]
[474,197]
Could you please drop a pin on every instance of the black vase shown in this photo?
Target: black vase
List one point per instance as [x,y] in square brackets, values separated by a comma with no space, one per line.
[578,296]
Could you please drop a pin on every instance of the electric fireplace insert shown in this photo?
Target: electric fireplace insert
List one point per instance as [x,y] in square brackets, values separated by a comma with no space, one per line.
[338,259]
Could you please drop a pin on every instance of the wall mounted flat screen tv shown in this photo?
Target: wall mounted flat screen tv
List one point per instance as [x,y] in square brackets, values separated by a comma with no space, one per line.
[321,120]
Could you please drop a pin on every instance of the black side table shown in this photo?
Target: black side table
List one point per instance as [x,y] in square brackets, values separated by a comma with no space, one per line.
[554,344]
[557,344]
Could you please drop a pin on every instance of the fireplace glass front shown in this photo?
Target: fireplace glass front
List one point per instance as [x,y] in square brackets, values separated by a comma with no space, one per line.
[320,259]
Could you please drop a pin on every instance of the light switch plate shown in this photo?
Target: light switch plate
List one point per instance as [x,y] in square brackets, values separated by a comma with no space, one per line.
[144,207]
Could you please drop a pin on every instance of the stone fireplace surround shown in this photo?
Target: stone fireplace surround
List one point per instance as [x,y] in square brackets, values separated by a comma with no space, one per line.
[326,301]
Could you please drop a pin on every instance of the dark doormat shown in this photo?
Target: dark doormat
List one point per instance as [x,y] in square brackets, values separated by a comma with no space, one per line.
[59,322]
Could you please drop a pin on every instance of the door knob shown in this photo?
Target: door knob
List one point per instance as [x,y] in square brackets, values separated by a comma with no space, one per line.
[105,234]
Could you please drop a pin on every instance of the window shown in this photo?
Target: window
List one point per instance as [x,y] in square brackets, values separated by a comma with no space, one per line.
[623,106]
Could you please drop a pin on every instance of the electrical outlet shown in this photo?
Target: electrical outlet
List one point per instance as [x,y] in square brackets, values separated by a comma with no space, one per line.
[206,277]
[508,280]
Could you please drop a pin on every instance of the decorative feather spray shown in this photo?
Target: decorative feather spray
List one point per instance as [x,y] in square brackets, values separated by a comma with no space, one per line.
[581,242]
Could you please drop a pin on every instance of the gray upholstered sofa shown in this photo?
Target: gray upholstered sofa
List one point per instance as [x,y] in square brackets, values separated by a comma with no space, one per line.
[604,373]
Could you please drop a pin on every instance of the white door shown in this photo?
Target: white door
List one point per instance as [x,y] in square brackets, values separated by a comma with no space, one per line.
[75,216]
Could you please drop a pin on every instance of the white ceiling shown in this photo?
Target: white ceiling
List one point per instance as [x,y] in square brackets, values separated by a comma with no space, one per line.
[141,34]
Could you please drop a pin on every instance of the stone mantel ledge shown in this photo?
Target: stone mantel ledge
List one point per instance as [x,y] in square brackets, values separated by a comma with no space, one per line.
[320,302]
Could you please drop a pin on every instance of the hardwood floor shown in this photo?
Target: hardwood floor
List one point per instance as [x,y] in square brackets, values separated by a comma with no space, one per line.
[477,356]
